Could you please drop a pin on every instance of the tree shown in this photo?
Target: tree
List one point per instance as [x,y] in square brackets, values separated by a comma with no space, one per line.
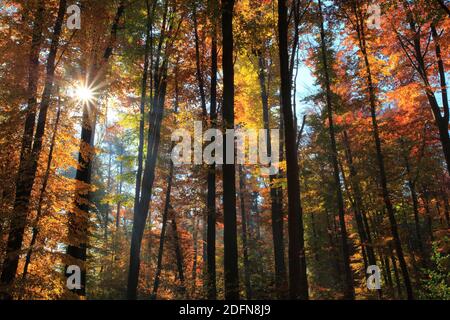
[229,172]
[78,221]
[298,284]
[31,146]
[349,291]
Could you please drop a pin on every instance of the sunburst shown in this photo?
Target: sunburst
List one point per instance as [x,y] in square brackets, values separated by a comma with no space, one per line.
[84,94]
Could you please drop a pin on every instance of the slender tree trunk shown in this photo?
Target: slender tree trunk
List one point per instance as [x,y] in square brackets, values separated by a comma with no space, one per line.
[298,283]
[201,83]
[229,173]
[178,254]
[379,156]
[208,281]
[194,263]
[163,231]
[108,190]
[211,201]
[247,280]
[387,269]
[396,275]
[42,195]
[349,290]
[145,76]
[442,120]
[119,193]
[24,182]
[360,217]
[177,245]
[281,282]
[155,120]
[412,190]
[78,221]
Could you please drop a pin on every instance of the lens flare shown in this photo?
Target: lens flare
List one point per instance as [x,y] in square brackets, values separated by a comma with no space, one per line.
[84,94]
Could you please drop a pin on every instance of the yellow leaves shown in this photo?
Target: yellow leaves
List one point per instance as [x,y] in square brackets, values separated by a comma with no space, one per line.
[248,109]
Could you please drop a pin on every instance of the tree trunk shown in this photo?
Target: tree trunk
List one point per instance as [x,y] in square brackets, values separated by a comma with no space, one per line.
[119,193]
[194,263]
[360,216]
[24,182]
[442,120]
[148,45]
[78,220]
[229,173]
[211,201]
[163,230]
[298,284]
[396,275]
[281,282]
[41,195]
[379,156]
[247,281]
[155,120]
[349,290]
[412,190]
[178,254]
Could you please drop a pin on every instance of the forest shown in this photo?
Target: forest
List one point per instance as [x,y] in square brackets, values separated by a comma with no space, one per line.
[351,104]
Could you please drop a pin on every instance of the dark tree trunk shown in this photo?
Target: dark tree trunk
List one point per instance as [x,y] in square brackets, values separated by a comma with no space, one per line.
[366,238]
[298,283]
[415,202]
[78,221]
[155,120]
[387,271]
[396,275]
[211,201]
[194,263]
[145,76]
[442,120]
[141,215]
[24,182]
[209,218]
[177,245]
[229,170]
[281,282]
[178,254]
[35,232]
[201,83]
[108,190]
[379,155]
[358,218]
[247,280]
[163,231]
[119,192]
[349,290]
